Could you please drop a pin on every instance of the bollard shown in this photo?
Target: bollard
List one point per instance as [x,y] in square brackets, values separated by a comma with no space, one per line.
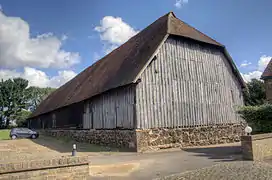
[74,150]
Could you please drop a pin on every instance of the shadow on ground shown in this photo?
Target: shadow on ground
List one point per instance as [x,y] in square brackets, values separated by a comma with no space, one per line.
[64,145]
[220,153]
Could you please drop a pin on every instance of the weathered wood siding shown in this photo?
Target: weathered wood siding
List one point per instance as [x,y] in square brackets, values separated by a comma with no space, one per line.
[187,85]
[110,110]
[66,117]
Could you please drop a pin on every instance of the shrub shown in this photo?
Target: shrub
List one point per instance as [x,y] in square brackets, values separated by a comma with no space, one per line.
[258,117]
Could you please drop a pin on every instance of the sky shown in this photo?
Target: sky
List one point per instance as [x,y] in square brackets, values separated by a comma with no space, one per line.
[49,42]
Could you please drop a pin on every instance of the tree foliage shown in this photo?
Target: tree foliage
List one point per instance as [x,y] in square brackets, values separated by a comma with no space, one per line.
[17,100]
[256,113]
[13,97]
[21,117]
[37,95]
[255,93]
[259,117]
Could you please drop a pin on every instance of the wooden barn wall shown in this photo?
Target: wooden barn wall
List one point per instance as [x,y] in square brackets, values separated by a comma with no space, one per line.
[67,117]
[188,84]
[110,110]
[70,116]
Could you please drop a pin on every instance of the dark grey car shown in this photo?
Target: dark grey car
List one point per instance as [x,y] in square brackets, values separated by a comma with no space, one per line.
[23,133]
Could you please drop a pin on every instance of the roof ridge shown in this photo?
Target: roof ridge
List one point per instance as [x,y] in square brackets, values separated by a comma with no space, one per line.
[168,21]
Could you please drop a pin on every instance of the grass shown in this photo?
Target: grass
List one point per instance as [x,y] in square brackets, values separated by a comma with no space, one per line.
[4,134]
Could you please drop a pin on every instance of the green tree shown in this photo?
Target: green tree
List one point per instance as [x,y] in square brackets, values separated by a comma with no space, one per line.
[17,100]
[258,117]
[21,117]
[36,95]
[254,94]
[12,97]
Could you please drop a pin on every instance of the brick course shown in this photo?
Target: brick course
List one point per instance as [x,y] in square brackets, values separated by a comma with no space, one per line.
[56,168]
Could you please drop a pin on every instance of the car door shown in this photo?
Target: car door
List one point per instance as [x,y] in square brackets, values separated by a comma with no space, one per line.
[25,133]
[19,133]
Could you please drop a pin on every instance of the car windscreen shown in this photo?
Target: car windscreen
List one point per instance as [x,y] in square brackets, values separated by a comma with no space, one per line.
[14,130]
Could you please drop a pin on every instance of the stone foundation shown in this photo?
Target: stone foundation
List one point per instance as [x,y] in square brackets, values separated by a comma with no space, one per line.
[112,138]
[162,138]
[154,139]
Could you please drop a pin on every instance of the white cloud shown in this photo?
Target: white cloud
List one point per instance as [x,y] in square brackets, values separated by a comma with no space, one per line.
[114,32]
[18,49]
[38,77]
[64,37]
[180,3]
[251,75]
[245,64]
[262,63]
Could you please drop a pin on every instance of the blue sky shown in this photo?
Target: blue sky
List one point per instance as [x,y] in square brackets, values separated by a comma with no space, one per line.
[48,42]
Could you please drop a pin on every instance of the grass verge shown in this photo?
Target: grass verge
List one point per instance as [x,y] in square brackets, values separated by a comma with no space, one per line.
[4,134]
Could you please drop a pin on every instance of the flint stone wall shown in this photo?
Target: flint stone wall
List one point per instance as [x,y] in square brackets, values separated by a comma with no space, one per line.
[57,168]
[113,138]
[162,138]
[154,139]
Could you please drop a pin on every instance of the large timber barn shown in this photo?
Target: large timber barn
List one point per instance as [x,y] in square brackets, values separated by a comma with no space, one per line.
[170,85]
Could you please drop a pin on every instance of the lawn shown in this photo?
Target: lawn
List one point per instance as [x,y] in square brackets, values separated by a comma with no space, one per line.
[4,134]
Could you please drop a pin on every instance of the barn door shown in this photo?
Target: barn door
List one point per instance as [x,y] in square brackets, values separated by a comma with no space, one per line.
[88,117]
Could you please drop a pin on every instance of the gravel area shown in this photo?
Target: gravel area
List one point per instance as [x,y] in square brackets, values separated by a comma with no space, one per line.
[244,170]
[43,147]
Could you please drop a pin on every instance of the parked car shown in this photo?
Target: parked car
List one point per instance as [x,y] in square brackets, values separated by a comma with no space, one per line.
[23,133]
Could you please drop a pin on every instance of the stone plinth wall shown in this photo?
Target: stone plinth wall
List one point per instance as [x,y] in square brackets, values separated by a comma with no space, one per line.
[58,168]
[113,138]
[154,139]
[162,138]
[257,147]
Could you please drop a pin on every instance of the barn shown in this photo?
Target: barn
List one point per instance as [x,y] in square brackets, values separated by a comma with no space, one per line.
[168,86]
[267,77]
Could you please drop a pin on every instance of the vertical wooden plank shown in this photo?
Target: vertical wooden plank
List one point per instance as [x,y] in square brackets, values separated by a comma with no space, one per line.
[201,90]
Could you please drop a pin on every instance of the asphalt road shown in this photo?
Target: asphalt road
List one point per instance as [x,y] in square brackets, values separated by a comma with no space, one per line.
[160,164]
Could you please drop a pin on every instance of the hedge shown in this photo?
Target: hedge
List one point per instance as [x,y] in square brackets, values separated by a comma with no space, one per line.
[258,117]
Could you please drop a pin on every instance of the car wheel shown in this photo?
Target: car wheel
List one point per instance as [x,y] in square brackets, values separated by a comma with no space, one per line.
[33,136]
[13,137]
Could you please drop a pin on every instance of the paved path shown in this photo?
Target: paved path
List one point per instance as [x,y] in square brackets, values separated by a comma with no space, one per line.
[160,164]
[27,149]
